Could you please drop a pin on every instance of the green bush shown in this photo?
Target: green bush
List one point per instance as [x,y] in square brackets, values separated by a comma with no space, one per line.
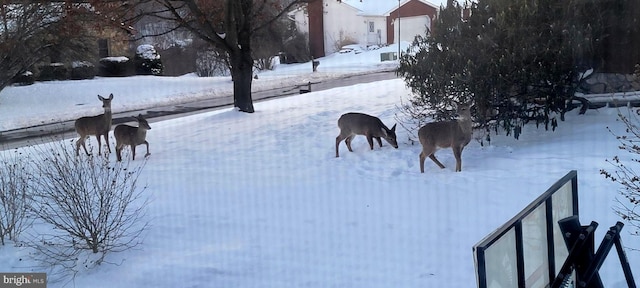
[147,61]
[25,78]
[53,71]
[82,70]
[116,67]
[516,60]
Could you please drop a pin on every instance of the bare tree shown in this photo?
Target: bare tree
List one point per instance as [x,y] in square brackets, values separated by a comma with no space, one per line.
[625,171]
[227,25]
[22,31]
[34,30]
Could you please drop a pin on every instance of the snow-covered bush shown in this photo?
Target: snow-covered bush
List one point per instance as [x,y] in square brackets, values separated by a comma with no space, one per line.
[53,71]
[147,61]
[24,78]
[115,67]
[82,70]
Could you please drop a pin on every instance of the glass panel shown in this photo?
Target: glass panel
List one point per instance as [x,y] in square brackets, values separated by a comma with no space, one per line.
[500,262]
[534,244]
[562,208]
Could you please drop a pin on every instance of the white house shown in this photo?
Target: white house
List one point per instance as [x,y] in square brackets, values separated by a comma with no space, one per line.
[332,23]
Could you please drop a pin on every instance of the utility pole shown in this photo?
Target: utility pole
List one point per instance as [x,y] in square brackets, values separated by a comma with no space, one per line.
[398,30]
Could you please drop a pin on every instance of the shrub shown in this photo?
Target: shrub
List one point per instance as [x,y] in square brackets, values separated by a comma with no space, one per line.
[53,71]
[82,70]
[25,78]
[179,60]
[343,40]
[115,67]
[94,207]
[516,62]
[14,196]
[212,63]
[296,50]
[147,61]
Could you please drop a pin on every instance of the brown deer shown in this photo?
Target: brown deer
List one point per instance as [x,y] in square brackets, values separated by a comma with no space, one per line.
[132,136]
[455,134]
[95,125]
[352,124]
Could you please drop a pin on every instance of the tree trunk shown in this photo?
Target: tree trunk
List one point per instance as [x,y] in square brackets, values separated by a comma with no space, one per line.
[238,43]
[242,76]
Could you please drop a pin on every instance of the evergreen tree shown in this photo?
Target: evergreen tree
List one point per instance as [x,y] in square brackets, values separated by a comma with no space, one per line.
[517,60]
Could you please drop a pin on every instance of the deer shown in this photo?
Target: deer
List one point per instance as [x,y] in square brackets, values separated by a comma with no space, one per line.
[444,134]
[99,125]
[352,124]
[132,136]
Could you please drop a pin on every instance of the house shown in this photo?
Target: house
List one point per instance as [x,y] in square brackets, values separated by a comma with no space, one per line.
[332,24]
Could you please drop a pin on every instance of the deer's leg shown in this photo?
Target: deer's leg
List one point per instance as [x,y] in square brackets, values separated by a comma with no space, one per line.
[79,143]
[348,142]
[457,152]
[338,140]
[99,144]
[119,152]
[370,140]
[429,150]
[133,152]
[106,139]
[435,160]
[422,157]
[147,143]
[379,141]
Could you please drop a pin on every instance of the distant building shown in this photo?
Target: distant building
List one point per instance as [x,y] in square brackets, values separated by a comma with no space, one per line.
[332,24]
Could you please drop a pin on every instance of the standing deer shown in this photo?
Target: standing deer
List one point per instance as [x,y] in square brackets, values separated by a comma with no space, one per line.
[455,134]
[352,124]
[95,125]
[132,136]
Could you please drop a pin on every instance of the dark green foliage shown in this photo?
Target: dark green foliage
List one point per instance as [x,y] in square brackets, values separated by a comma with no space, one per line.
[147,61]
[296,49]
[148,66]
[53,71]
[82,70]
[517,60]
[281,36]
[115,67]
[23,79]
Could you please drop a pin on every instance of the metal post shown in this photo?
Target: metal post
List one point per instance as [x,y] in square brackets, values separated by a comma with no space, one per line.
[398,30]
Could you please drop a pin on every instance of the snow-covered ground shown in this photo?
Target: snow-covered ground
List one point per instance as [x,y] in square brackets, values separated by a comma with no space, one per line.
[259,200]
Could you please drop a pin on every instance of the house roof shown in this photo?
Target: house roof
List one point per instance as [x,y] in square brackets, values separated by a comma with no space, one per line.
[379,7]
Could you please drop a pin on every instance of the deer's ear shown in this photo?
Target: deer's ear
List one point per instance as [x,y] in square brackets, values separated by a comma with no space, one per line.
[394,127]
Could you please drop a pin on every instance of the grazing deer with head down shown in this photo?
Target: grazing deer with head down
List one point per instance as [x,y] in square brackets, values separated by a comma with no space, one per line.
[352,124]
[132,136]
[99,125]
[455,134]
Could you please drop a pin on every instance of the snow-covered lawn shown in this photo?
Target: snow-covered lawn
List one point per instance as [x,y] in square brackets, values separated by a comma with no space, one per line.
[259,200]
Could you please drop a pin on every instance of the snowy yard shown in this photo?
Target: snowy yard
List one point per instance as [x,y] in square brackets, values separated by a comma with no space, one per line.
[260,200]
